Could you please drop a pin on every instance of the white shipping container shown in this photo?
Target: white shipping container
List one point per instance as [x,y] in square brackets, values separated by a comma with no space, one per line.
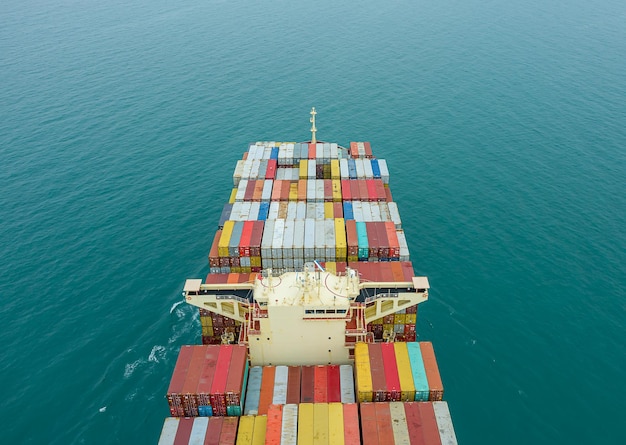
[241,190]
[384,211]
[292,210]
[277,243]
[375,209]
[343,168]
[267,152]
[404,247]
[289,155]
[280,385]
[273,211]
[235,212]
[289,427]
[266,195]
[367,165]
[326,153]
[367,211]
[298,239]
[238,172]
[310,210]
[360,169]
[319,152]
[280,174]
[357,210]
[247,168]
[168,433]
[384,171]
[301,210]
[254,211]
[444,423]
[329,239]
[312,168]
[319,190]
[334,151]
[310,190]
[347,384]
[244,261]
[309,239]
[399,424]
[395,214]
[266,240]
[319,210]
[320,239]
[288,239]
[361,149]
[254,172]
[245,211]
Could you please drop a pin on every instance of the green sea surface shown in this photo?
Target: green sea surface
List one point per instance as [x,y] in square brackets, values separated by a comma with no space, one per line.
[503,124]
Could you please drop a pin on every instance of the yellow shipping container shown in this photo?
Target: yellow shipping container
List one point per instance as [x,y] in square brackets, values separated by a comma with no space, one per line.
[207,330]
[326,169]
[378,321]
[407,386]
[335,172]
[336,183]
[222,245]
[304,169]
[320,424]
[206,320]
[305,424]
[341,246]
[233,193]
[399,318]
[255,261]
[335,424]
[260,425]
[331,267]
[411,318]
[293,191]
[363,372]
[353,258]
[388,327]
[328,210]
[245,430]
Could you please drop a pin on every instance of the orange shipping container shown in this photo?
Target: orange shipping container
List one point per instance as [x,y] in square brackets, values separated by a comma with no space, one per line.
[435,384]
[267,388]
[351,430]
[274,425]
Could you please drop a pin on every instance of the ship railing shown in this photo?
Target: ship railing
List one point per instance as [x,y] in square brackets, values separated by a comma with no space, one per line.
[232,297]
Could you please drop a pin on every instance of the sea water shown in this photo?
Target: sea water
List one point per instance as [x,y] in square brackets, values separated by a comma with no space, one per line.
[503,124]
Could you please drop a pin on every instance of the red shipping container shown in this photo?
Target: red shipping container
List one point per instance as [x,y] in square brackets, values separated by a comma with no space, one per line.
[213,431]
[392,237]
[190,386]
[284,191]
[183,433]
[414,423]
[435,384]
[277,190]
[363,195]
[388,194]
[369,425]
[307,389]
[244,242]
[228,436]
[354,150]
[380,190]
[174,392]
[249,190]
[383,422]
[267,389]
[391,372]
[371,190]
[396,270]
[430,430]
[312,151]
[328,190]
[352,238]
[379,383]
[293,384]
[340,266]
[346,193]
[407,268]
[302,184]
[383,242]
[333,379]
[320,394]
[205,381]
[372,239]
[368,150]
[255,239]
[338,209]
[351,430]
[274,425]
[355,192]
[214,258]
[218,387]
[385,270]
[236,370]
[270,173]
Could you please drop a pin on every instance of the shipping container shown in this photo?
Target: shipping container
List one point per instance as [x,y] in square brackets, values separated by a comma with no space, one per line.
[320,424]
[253,391]
[280,385]
[363,373]
[289,428]
[260,427]
[307,389]
[274,424]
[444,423]
[293,385]
[351,430]
[420,381]
[432,371]
[267,389]
[306,429]
[335,424]
[391,372]
[369,426]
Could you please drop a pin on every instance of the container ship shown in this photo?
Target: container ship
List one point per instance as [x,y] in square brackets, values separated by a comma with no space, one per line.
[308,313]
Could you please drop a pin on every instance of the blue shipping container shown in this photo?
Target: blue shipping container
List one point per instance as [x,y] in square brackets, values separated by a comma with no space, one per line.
[419,373]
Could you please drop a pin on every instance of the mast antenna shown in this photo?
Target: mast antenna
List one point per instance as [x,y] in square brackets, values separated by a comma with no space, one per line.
[313,129]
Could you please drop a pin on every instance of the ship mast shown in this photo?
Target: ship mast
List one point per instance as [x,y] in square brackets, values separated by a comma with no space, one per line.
[313,129]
